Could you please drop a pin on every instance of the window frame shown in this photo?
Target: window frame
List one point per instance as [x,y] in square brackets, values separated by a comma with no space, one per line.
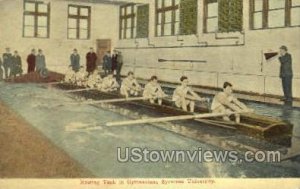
[265,15]
[36,14]
[78,17]
[124,18]
[206,17]
[163,11]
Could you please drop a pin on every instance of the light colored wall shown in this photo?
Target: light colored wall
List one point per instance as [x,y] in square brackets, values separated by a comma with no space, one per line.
[57,48]
[240,64]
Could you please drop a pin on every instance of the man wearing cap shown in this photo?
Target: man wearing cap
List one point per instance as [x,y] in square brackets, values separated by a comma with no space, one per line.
[31,61]
[91,59]
[7,61]
[286,73]
[107,63]
[75,60]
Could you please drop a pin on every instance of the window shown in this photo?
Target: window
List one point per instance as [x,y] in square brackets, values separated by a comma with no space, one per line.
[295,13]
[223,16]
[167,17]
[188,17]
[142,25]
[274,13]
[211,16]
[36,19]
[79,22]
[127,21]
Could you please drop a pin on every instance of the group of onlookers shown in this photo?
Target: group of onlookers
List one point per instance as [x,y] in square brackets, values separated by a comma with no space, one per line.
[112,63]
[11,63]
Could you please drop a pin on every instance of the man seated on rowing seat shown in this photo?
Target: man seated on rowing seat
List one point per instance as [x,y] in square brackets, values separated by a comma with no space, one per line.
[153,91]
[94,80]
[130,86]
[109,83]
[81,77]
[184,96]
[69,76]
[225,102]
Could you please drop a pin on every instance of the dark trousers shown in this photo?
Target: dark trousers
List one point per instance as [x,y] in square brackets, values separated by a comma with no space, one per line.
[287,88]
[6,70]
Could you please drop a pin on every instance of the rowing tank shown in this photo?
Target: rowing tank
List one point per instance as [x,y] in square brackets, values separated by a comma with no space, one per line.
[251,124]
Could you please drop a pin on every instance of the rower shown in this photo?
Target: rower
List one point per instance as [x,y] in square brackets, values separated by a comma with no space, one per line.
[225,102]
[130,86]
[184,96]
[153,91]
[94,80]
[81,77]
[109,83]
[69,76]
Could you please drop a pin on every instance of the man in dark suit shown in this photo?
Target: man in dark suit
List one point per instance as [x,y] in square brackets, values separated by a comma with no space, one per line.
[114,61]
[7,62]
[31,61]
[75,60]
[286,73]
[91,59]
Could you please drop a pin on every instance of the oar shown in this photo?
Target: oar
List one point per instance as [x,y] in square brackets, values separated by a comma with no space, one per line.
[171,118]
[105,101]
[79,90]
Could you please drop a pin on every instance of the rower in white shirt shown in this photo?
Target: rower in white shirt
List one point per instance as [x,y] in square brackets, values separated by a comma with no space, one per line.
[94,80]
[225,102]
[130,86]
[69,76]
[184,96]
[153,91]
[81,77]
[109,83]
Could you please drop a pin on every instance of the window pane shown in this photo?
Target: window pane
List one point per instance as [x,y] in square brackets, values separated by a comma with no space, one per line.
[176,28]
[42,21]
[212,25]
[177,16]
[72,33]
[123,24]
[295,2]
[168,3]
[128,23]
[42,32]
[275,4]
[84,11]
[73,10]
[295,16]
[257,19]
[83,34]
[122,34]
[43,8]
[29,20]
[30,7]
[83,24]
[129,10]
[168,16]
[159,4]
[212,9]
[258,5]
[159,18]
[159,30]
[128,33]
[276,18]
[168,29]
[29,31]
[72,23]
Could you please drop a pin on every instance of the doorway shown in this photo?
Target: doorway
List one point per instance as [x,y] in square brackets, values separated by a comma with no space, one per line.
[103,45]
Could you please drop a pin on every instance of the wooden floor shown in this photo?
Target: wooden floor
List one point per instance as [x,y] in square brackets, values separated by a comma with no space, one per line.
[26,153]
